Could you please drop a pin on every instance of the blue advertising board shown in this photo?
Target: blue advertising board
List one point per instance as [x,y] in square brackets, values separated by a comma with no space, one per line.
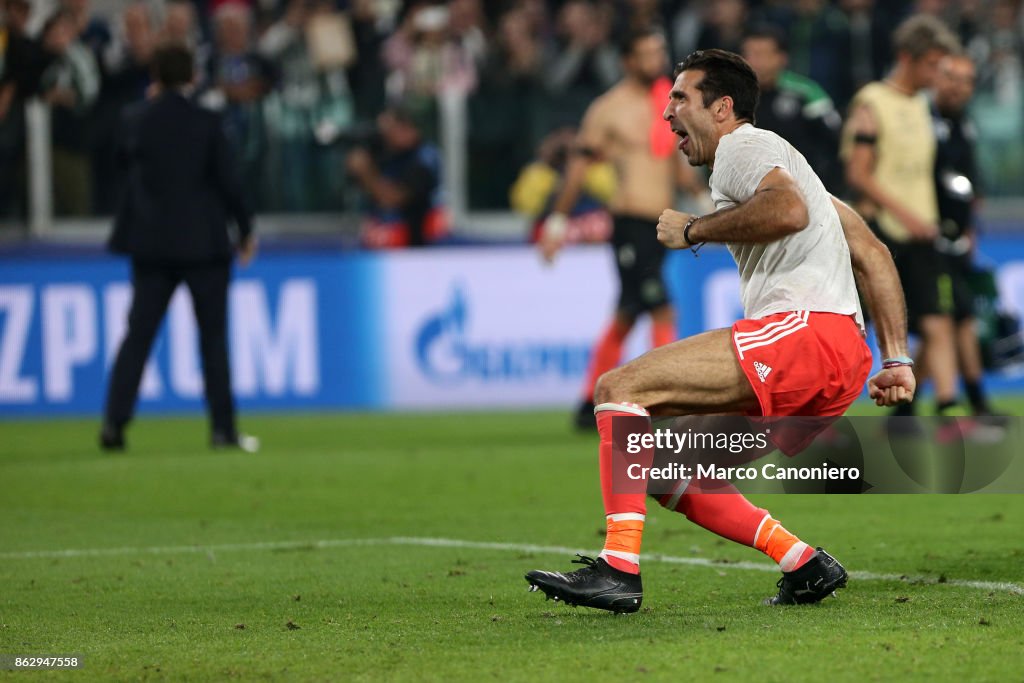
[301,329]
[458,327]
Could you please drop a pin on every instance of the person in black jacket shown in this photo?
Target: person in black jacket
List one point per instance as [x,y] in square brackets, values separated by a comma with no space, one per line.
[956,178]
[181,188]
[794,106]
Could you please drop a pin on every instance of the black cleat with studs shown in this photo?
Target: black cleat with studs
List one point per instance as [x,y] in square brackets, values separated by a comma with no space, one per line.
[817,579]
[596,584]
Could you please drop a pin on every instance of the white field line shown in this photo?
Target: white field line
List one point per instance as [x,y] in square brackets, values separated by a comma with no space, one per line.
[1001,586]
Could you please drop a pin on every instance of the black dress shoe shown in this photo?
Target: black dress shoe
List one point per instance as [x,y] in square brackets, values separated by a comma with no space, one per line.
[111,438]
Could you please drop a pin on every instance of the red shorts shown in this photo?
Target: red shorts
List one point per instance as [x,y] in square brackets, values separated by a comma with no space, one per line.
[803,363]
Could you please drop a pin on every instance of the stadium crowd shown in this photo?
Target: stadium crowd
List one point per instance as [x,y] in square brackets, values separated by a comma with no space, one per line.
[301,82]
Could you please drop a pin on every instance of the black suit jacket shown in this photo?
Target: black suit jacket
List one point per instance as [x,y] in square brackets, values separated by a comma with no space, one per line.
[180,185]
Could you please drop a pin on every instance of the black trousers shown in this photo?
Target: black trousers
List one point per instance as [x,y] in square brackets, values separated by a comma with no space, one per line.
[153,286]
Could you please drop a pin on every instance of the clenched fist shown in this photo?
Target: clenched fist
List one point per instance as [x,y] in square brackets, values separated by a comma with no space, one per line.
[892,386]
[670,229]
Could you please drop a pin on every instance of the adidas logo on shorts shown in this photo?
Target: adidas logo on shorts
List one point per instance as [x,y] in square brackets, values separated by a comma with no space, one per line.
[762,370]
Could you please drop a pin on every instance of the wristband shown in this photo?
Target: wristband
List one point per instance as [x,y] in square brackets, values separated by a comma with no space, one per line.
[897,361]
[555,227]
[686,235]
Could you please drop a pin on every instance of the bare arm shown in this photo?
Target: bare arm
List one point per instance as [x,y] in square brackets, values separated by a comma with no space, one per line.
[572,183]
[776,209]
[588,142]
[860,174]
[384,192]
[879,283]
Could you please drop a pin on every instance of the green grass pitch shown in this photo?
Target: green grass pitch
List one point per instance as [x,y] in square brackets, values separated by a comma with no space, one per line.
[172,562]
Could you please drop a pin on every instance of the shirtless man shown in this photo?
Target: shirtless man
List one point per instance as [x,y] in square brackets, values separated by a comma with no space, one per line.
[623,127]
[799,351]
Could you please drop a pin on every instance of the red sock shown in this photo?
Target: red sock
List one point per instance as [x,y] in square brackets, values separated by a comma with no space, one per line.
[725,512]
[606,355]
[730,515]
[625,503]
[662,332]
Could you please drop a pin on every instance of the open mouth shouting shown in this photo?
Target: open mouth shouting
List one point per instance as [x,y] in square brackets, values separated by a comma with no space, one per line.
[684,138]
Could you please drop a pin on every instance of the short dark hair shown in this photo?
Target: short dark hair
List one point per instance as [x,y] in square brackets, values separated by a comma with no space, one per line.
[628,41]
[173,65]
[725,74]
[768,32]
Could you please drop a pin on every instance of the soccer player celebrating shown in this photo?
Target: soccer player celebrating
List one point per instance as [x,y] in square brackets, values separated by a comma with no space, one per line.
[800,350]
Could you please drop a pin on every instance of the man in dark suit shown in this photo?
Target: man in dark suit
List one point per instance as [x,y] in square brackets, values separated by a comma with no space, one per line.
[180,190]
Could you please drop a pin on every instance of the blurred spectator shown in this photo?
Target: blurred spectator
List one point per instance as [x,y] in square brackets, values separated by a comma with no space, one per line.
[367,74]
[180,27]
[940,9]
[126,61]
[819,48]
[69,84]
[503,111]
[433,51]
[537,15]
[21,62]
[21,57]
[969,20]
[466,29]
[684,28]
[869,40]
[401,176]
[125,79]
[582,65]
[325,68]
[794,106]
[312,99]
[534,192]
[724,24]
[238,80]
[180,23]
[998,107]
[91,30]
[634,15]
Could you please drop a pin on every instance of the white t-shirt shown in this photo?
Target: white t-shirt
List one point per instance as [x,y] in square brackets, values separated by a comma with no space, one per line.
[807,271]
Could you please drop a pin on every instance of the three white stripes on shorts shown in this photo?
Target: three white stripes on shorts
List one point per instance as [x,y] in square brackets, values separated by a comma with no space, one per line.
[770,333]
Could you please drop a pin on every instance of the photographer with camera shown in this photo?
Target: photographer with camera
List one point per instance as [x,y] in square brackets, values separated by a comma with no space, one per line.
[400,173]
